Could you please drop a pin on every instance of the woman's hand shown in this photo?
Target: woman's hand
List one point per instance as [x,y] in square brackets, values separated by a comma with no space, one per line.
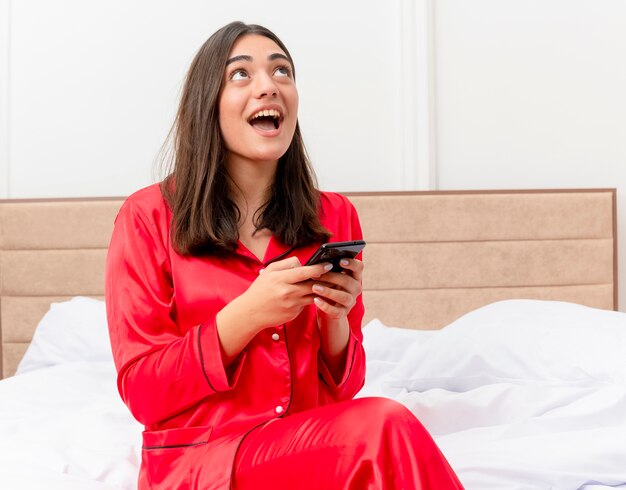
[277,295]
[281,291]
[336,292]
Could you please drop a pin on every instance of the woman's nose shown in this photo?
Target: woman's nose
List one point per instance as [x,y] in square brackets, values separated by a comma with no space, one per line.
[266,86]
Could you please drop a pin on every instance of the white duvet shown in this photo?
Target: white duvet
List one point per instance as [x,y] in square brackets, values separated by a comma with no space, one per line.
[518,395]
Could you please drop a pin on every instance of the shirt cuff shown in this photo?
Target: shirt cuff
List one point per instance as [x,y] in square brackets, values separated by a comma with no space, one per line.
[212,363]
[324,370]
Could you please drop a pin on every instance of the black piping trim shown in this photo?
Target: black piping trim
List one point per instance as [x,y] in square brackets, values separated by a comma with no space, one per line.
[206,376]
[281,256]
[352,362]
[282,415]
[149,448]
[232,467]
[290,374]
[349,371]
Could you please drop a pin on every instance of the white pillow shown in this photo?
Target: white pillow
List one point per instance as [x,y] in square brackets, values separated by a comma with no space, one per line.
[74,330]
[383,343]
[523,341]
[384,347]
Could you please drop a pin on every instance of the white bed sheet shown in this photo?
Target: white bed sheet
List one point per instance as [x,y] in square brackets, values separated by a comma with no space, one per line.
[518,395]
[65,427]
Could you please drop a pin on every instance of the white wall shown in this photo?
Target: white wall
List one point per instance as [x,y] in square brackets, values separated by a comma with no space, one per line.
[92,88]
[4,97]
[395,94]
[532,94]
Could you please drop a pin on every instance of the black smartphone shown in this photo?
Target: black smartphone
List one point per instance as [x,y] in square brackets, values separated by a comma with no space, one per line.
[334,252]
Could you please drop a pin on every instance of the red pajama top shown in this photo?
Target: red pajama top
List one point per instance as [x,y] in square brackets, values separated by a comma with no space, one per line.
[161,309]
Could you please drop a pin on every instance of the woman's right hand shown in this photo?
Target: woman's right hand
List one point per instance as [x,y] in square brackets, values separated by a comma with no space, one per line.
[278,295]
[281,291]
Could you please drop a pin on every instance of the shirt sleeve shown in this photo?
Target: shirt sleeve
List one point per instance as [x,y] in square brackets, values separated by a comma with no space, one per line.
[353,376]
[161,372]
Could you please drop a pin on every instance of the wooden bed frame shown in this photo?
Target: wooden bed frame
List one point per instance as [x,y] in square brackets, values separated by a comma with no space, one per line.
[431,256]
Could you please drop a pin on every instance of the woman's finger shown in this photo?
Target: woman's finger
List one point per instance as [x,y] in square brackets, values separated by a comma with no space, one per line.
[354,266]
[285,264]
[333,311]
[343,281]
[337,296]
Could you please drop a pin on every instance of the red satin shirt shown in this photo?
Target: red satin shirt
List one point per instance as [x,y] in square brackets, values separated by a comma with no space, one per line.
[161,309]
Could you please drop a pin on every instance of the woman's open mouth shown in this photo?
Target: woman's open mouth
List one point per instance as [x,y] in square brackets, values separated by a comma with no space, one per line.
[266,120]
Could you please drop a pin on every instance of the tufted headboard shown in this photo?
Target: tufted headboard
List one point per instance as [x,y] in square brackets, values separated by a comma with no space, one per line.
[431,256]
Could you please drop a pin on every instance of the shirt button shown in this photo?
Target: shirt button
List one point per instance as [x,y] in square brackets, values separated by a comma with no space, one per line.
[279,409]
[275,337]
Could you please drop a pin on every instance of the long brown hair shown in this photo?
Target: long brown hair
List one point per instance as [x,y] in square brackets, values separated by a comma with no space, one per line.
[205,219]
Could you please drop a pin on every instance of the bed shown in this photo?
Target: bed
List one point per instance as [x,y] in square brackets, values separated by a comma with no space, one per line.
[491,315]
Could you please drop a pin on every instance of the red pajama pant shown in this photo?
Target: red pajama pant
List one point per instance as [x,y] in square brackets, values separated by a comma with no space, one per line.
[362,444]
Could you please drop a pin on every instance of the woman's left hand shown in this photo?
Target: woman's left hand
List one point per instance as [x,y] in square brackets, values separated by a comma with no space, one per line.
[335,295]
[336,292]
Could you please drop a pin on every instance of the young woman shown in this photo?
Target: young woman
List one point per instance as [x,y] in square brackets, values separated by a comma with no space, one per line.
[241,362]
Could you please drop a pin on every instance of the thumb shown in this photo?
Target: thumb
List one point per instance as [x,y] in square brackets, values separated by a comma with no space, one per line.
[285,264]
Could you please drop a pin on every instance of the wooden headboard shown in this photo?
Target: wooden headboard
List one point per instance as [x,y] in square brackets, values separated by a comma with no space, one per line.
[431,256]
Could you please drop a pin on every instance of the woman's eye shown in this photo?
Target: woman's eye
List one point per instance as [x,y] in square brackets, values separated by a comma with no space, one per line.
[283,71]
[238,75]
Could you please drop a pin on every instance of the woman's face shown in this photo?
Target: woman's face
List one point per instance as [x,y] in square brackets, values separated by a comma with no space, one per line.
[258,106]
